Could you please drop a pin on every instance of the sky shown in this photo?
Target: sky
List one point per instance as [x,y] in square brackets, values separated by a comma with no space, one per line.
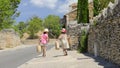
[43,8]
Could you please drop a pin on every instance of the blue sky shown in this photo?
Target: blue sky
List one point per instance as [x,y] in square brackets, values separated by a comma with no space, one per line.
[42,8]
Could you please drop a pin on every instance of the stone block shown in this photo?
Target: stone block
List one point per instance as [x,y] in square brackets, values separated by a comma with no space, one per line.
[9,38]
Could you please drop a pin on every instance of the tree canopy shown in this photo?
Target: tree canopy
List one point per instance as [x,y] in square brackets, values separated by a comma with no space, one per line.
[8,11]
[52,23]
[100,5]
[34,25]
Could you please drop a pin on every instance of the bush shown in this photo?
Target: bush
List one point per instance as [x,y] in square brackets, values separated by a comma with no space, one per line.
[82,48]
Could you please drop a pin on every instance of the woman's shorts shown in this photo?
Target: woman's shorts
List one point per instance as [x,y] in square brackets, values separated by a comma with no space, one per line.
[43,45]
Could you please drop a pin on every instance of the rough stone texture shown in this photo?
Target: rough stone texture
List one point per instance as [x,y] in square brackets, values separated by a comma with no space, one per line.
[106,34]
[72,15]
[91,13]
[9,38]
[74,32]
[73,6]
[25,36]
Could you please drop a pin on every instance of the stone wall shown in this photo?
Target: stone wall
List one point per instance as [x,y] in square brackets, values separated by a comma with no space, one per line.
[9,38]
[104,38]
[74,32]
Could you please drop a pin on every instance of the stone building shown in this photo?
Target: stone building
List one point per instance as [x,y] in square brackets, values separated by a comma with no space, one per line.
[72,14]
[90,7]
[63,21]
[69,17]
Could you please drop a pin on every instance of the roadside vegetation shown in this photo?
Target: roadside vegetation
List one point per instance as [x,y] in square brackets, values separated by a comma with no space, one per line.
[8,13]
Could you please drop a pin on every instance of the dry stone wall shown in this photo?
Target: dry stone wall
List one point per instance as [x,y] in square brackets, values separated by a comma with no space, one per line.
[9,38]
[74,32]
[104,38]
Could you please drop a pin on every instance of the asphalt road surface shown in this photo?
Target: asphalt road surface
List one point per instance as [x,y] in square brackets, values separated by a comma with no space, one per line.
[16,57]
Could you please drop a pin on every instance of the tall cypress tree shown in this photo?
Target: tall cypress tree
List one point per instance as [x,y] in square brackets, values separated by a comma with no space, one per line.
[82,12]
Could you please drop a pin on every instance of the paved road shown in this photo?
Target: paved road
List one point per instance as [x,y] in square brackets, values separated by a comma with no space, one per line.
[16,57]
[55,59]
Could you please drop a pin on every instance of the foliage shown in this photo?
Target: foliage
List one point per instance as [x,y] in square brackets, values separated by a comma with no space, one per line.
[100,5]
[52,23]
[96,7]
[104,3]
[94,23]
[83,42]
[82,12]
[34,25]
[8,11]
[21,28]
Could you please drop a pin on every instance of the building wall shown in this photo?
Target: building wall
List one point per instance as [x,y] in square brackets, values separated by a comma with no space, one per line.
[72,15]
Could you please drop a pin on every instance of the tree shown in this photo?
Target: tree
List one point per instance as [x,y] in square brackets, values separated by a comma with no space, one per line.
[8,11]
[96,7]
[104,3]
[52,23]
[100,5]
[82,12]
[34,25]
[22,28]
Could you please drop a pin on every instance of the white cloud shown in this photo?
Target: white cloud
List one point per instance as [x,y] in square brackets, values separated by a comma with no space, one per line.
[57,5]
[64,7]
[45,3]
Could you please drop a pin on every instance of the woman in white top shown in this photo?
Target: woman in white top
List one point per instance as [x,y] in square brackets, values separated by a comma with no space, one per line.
[64,41]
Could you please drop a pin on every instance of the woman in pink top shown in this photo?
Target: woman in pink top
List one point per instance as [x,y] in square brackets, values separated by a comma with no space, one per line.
[43,41]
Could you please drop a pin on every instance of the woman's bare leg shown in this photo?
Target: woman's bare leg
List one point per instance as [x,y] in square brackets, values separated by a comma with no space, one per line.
[44,51]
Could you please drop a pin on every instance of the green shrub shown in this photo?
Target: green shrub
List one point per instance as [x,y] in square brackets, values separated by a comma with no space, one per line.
[82,48]
[94,23]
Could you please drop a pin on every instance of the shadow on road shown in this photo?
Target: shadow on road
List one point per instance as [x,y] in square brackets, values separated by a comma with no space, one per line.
[82,58]
[103,62]
[58,55]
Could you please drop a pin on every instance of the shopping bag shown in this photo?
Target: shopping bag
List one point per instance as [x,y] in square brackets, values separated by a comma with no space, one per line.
[38,48]
[57,45]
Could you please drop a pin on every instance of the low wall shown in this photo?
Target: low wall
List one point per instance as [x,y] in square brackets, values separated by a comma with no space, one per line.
[9,38]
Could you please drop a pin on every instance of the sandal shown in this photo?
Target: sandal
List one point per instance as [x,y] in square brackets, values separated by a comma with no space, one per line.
[65,54]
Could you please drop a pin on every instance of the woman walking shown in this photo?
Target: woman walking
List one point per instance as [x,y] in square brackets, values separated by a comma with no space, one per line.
[63,38]
[44,39]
